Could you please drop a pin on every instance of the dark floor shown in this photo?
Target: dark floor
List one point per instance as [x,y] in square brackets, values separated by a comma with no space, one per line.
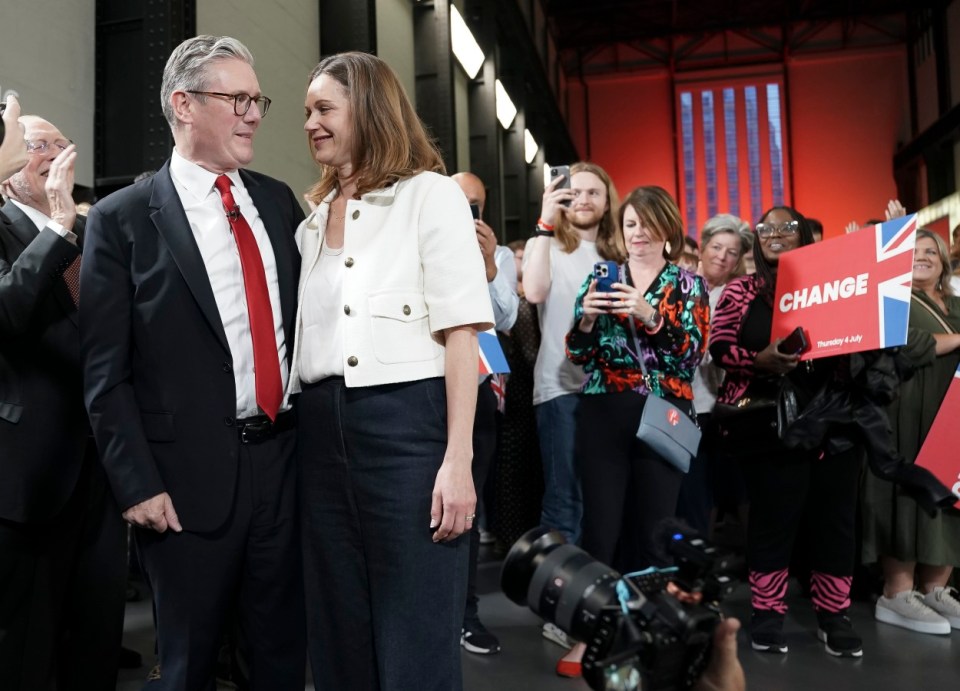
[893,658]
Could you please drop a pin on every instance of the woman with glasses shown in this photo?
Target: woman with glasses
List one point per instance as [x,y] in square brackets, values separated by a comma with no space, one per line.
[781,482]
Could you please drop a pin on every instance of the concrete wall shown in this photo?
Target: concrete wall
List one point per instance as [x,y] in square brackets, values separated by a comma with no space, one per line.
[395,41]
[284,38]
[53,78]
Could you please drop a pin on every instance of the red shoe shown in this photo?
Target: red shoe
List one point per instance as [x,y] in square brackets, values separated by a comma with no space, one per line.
[569,669]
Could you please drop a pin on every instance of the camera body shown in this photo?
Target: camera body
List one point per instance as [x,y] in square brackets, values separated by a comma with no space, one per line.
[634,629]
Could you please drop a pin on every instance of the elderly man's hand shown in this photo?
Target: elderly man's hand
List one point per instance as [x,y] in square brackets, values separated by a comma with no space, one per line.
[59,188]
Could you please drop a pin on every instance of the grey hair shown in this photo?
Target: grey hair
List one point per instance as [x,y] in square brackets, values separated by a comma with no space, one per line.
[728,223]
[186,69]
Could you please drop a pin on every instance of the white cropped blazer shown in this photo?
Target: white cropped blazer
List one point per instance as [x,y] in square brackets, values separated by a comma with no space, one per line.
[413,269]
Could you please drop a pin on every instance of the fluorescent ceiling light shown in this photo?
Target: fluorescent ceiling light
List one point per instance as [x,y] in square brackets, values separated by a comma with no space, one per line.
[530,146]
[506,111]
[465,46]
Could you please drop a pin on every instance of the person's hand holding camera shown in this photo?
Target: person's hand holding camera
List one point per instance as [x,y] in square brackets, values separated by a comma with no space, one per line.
[488,247]
[13,148]
[555,201]
[629,300]
[595,303]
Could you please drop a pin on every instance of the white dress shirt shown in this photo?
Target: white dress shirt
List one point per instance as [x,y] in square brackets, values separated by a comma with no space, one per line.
[41,221]
[503,290]
[208,221]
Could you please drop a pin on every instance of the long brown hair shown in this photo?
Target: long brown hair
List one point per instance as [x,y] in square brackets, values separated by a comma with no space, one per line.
[659,213]
[390,142]
[609,241]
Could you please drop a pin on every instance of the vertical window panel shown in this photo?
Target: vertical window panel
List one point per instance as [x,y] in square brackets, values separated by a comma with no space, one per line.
[689,164]
[730,145]
[732,149]
[709,153]
[776,142]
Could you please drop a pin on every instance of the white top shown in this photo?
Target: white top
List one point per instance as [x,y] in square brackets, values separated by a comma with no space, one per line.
[553,374]
[41,221]
[323,317]
[708,377]
[413,269]
[208,221]
[503,290]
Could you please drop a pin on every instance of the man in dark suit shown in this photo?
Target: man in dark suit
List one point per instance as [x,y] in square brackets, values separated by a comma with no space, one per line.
[62,543]
[189,282]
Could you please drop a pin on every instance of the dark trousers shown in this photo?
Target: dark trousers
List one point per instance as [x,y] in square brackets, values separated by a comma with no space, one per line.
[484,451]
[627,488]
[384,602]
[780,486]
[249,568]
[696,492]
[62,593]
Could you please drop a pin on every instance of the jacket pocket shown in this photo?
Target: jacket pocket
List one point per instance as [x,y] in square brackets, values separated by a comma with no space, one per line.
[157,426]
[400,328]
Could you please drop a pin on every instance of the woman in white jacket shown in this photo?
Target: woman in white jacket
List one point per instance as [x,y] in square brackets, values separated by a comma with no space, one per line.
[392,293]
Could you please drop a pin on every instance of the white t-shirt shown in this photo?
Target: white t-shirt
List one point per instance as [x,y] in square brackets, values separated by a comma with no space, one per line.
[322,317]
[554,375]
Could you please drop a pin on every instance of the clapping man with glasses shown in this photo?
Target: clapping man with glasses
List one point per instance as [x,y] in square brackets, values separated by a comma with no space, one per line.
[62,543]
[189,283]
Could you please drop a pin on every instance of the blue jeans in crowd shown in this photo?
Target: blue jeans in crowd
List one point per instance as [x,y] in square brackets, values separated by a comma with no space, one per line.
[562,499]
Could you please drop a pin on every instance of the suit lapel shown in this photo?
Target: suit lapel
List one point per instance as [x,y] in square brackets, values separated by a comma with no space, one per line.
[25,231]
[172,224]
[281,236]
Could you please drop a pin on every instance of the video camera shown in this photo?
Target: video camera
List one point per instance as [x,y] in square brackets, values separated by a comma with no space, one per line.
[633,627]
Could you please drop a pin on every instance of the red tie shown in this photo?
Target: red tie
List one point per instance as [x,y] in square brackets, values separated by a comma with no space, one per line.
[266,362]
[71,276]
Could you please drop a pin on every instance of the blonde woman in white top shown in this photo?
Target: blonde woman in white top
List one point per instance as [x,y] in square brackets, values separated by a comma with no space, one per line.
[392,293]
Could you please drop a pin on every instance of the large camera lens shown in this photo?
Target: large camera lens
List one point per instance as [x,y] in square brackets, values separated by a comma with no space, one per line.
[560,582]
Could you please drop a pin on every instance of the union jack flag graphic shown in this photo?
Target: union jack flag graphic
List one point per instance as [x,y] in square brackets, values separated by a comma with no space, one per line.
[894,238]
[938,453]
[492,359]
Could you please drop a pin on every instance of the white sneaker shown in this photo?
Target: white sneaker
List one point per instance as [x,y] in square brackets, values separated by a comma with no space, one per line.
[946,603]
[908,610]
[555,634]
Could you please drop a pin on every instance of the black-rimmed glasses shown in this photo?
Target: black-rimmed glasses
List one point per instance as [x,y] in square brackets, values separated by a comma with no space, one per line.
[241,102]
[766,230]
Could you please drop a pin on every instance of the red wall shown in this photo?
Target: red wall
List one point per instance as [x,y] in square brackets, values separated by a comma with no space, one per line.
[846,115]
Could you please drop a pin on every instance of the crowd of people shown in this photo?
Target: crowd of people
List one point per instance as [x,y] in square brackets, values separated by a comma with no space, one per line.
[287,412]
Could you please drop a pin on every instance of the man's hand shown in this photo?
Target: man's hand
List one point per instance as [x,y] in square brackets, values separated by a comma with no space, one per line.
[59,188]
[724,672]
[488,246]
[156,513]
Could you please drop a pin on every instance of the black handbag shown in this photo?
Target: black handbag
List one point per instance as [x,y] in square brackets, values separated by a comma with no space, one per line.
[756,419]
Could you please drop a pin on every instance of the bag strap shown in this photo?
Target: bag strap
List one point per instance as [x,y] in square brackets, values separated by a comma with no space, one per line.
[933,313]
[636,344]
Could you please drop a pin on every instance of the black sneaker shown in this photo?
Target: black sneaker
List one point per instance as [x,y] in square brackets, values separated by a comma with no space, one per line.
[766,632]
[475,638]
[837,635]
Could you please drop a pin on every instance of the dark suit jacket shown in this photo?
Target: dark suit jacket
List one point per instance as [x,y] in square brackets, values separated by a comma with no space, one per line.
[43,425]
[158,373]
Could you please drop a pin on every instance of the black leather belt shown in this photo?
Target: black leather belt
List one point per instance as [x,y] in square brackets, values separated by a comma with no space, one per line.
[258,429]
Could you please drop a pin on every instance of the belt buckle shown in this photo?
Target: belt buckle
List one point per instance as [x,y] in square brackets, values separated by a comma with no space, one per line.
[254,432]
